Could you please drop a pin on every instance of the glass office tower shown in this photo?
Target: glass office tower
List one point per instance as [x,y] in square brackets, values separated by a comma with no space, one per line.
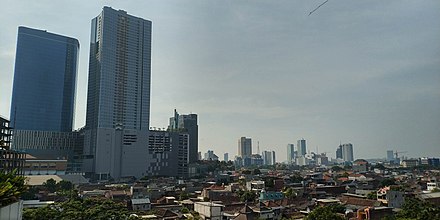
[43,96]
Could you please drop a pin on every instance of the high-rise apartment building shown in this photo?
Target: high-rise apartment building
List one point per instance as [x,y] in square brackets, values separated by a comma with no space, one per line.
[187,123]
[301,145]
[339,152]
[226,157]
[268,157]
[245,147]
[390,155]
[118,98]
[43,95]
[290,153]
[346,150]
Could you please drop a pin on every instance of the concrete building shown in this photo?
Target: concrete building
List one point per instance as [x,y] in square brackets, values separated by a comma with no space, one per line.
[244,147]
[168,153]
[390,155]
[209,210]
[339,152]
[345,152]
[36,166]
[226,157]
[118,97]
[291,153]
[189,124]
[268,157]
[301,146]
[5,133]
[409,163]
[9,159]
[210,155]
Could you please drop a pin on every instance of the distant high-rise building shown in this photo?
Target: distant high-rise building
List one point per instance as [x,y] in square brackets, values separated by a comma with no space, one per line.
[347,152]
[301,145]
[189,124]
[268,157]
[290,153]
[210,155]
[244,147]
[226,157]
[339,152]
[390,155]
[273,158]
[43,95]
[118,97]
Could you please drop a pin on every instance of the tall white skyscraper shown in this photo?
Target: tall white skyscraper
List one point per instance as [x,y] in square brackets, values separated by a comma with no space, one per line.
[118,98]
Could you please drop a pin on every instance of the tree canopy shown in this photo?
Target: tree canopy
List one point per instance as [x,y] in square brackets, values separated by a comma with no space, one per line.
[327,213]
[79,209]
[11,187]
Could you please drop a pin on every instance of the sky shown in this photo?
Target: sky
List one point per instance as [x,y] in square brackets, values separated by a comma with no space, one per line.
[360,72]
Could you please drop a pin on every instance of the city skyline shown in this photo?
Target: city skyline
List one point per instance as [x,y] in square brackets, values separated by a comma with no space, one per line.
[274,79]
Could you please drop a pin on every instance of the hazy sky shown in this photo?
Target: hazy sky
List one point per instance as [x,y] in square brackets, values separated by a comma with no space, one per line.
[364,72]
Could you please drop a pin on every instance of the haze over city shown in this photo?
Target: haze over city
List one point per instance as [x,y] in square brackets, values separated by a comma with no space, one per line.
[360,72]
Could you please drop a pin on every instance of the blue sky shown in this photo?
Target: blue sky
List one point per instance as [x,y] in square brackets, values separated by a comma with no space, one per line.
[364,72]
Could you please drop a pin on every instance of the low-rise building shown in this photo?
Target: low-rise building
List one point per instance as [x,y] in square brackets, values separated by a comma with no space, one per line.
[209,210]
[409,163]
[143,204]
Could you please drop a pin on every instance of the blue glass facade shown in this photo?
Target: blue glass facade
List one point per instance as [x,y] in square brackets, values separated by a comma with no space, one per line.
[43,96]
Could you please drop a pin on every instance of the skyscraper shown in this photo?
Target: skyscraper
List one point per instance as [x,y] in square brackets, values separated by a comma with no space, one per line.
[226,157]
[268,157]
[339,152]
[118,98]
[290,153]
[119,71]
[390,155]
[245,147]
[301,145]
[347,152]
[43,95]
[187,123]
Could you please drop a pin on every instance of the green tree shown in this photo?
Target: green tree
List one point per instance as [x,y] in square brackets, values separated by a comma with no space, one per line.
[337,168]
[324,213]
[12,187]
[247,196]
[296,178]
[64,185]
[79,209]
[372,195]
[387,182]
[256,171]
[50,185]
[416,209]
[290,193]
